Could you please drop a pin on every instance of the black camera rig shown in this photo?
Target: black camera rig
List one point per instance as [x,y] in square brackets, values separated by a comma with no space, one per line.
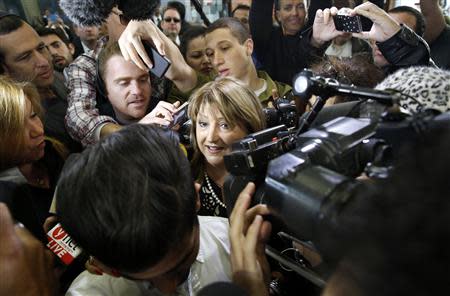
[307,177]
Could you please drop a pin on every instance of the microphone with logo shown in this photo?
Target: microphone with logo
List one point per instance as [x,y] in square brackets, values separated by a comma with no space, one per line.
[62,245]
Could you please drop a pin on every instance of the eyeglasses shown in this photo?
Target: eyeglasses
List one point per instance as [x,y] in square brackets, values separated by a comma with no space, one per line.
[169,19]
[122,18]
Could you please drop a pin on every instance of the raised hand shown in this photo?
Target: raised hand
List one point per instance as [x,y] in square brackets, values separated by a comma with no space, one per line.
[383,28]
[248,234]
[323,27]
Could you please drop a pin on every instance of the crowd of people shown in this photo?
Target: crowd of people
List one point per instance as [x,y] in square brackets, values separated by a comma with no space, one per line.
[90,140]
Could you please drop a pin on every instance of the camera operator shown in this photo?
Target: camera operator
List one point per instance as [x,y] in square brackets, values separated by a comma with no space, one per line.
[395,238]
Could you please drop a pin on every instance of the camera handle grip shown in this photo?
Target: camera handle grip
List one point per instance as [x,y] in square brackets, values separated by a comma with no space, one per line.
[306,122]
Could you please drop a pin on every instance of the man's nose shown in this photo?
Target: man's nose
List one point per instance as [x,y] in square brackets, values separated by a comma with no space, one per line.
[136,88]
[217,59]
[42,59]
[206,59]
[52,51]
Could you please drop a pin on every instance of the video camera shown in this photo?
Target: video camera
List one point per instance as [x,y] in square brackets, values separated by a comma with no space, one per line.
[307,177]
[283,112]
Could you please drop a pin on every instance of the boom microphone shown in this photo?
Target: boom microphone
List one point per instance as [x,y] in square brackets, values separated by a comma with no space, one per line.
[94,12]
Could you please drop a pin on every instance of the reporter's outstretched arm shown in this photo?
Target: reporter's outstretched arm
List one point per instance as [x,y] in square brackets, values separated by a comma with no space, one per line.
[83,120]
[130,42]
[25,265]
[248,235]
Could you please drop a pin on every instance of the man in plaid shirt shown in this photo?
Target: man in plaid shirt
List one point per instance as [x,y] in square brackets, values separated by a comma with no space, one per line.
[83,120]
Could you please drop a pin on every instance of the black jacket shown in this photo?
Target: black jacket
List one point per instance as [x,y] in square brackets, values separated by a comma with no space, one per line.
[405,49]
[282,56]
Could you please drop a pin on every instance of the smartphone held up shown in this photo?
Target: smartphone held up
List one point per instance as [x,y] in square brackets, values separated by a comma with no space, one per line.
[345,22]
[160,63]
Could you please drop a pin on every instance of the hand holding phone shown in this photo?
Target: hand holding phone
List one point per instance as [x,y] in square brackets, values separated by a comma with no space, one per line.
[180,115]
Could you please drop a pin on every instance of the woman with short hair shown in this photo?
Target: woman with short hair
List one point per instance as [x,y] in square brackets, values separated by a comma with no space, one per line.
[222,112]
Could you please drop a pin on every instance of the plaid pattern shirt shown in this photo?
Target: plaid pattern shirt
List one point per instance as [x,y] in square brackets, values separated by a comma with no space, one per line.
[82,117]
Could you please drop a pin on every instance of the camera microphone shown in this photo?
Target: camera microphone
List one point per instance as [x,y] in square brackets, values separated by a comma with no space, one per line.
[305,85]
[95,12]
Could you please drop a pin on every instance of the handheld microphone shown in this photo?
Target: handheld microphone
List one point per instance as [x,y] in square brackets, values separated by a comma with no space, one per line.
[62,245]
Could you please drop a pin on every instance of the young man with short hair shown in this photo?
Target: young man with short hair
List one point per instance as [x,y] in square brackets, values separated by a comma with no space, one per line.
[230,47]
[61,49]
[129,201]
[125,91]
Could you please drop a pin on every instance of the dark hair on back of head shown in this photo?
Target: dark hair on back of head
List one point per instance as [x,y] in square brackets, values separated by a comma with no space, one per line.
[137,9]
[191,33]
[236,28]
[420,20]
[130,199]
[358,70]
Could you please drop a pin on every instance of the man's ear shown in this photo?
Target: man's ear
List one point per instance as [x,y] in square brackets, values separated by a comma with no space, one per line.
[71,48]
[94,266]
[277,16]
[249,46]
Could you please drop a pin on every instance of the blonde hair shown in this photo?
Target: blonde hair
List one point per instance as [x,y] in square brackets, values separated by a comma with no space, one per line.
[237,103]
[13,96]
